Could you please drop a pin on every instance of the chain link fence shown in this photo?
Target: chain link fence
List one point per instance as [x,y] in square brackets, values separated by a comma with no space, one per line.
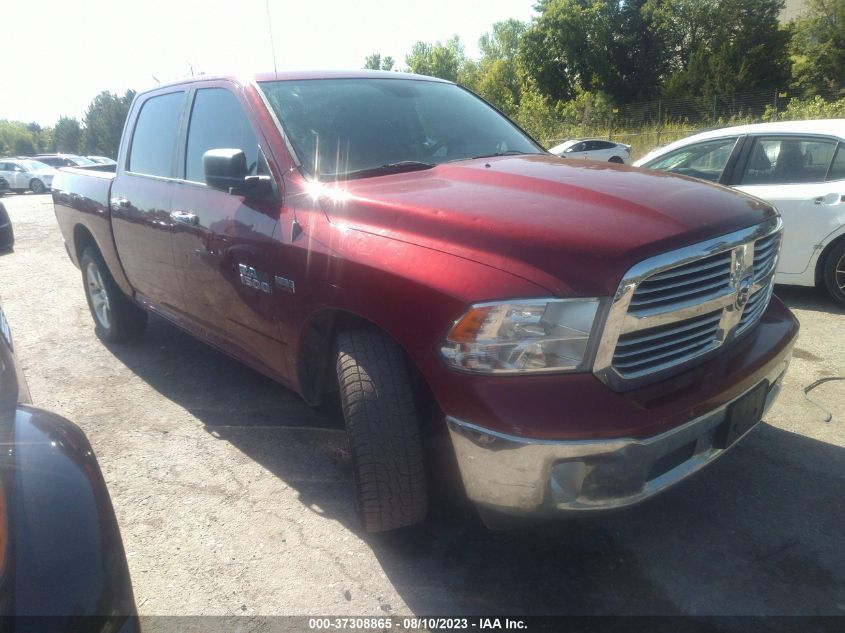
[650,124]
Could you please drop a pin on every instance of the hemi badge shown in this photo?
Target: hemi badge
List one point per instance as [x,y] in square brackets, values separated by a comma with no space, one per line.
[285,284]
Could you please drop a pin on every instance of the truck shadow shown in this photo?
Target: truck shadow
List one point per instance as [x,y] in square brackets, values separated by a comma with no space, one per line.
[759,533]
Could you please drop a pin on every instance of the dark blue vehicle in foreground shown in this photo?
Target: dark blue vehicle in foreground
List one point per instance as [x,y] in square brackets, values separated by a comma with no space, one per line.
[61,554]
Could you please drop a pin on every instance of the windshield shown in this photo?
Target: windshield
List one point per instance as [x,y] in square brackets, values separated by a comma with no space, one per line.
[81,160]
[354,127]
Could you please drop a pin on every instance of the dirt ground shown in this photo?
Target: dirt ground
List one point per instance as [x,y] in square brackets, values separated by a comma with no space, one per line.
[233,497]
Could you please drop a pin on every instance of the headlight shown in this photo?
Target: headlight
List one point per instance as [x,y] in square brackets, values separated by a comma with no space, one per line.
[532,335]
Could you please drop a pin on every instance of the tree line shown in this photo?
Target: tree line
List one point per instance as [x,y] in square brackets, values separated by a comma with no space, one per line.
[97,134]
[574,59]
[580,56]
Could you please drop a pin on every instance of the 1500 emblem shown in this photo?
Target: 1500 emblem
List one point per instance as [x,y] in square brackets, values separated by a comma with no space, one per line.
[254,278]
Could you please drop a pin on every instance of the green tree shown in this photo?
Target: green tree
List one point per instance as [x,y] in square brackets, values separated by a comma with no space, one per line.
[537,115]
[104,121]
[497,76]
[721,46]
[595,46]
[16,138]
[680,26]
[376,62]
[24,146]
[437,60]
[503,41]
[67,135]
[817,49]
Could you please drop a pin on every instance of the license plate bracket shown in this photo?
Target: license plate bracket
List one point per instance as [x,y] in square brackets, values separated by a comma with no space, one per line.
[742,415]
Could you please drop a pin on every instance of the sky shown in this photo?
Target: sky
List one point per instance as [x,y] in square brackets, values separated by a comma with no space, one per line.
[59,54]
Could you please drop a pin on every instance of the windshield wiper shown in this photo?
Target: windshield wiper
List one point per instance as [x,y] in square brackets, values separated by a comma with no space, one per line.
[510,152]
[383,170]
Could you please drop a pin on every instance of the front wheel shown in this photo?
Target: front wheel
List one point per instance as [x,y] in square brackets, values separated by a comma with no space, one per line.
[36,186]
[834,273]
[116,318]
[383,427]
[617,160]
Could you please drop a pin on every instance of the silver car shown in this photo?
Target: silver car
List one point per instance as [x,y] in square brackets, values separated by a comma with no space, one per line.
[26,175]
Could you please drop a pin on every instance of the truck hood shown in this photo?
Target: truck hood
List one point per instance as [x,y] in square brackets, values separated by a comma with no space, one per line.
[572,228]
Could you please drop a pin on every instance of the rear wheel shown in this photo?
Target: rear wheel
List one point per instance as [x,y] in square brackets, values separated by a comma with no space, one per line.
[834,273]
[116,318]
[383,427]
[616,159]
[36,186]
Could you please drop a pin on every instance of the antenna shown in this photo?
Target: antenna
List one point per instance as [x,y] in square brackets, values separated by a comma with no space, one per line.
[272,44]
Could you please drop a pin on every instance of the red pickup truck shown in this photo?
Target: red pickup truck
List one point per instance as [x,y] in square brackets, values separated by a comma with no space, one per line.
[588,333]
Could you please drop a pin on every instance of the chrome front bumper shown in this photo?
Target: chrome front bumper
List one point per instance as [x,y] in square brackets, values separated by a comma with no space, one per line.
[519,476]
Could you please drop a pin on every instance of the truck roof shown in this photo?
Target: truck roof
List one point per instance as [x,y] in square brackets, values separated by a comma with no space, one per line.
[283,75]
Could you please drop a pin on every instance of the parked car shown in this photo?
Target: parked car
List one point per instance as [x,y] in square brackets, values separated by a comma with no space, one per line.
[4,185]
[63,160]
[61,554]
[587,336]
[26,174]
[102,160]
[799,167]
[594,149]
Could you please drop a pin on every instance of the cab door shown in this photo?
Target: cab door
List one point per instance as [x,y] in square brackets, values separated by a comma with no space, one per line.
[225,244]
[140,201]
[794,173]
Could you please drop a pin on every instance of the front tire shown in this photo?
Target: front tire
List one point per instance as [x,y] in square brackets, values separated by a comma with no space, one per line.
[616,160]
[383,427]
[116,318]
[834,273]
[36,186]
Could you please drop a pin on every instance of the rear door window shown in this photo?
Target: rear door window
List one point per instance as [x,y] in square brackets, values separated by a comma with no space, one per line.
[788,160]
[218,122]
[154,138]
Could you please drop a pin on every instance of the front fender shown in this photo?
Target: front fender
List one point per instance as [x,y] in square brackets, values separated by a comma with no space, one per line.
[412,293]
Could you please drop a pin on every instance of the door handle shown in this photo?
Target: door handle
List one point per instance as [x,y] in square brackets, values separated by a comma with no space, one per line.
[119,202]
[185,217]
[831,198]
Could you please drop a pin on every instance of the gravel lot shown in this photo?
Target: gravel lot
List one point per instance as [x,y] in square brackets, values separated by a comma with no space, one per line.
[233,496]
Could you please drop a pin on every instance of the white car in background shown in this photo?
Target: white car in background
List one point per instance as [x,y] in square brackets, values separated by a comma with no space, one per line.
[26,175]
[102,160]
[594,149]
[799,167]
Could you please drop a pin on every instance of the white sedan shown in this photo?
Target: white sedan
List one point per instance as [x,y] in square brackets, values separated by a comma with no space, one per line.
[799,167]
[26,175]
[594,149]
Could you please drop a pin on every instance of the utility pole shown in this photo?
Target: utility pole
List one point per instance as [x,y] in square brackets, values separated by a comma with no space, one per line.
[659,120]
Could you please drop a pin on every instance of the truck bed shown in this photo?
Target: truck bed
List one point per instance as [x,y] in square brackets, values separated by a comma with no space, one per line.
[81,203]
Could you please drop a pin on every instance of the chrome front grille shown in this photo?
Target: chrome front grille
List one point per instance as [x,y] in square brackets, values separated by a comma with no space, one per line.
[766,251]
[674,309]
[691,282]
[645,349]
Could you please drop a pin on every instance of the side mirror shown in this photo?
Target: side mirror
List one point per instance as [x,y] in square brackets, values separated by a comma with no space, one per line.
[226,170]
[7,234]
